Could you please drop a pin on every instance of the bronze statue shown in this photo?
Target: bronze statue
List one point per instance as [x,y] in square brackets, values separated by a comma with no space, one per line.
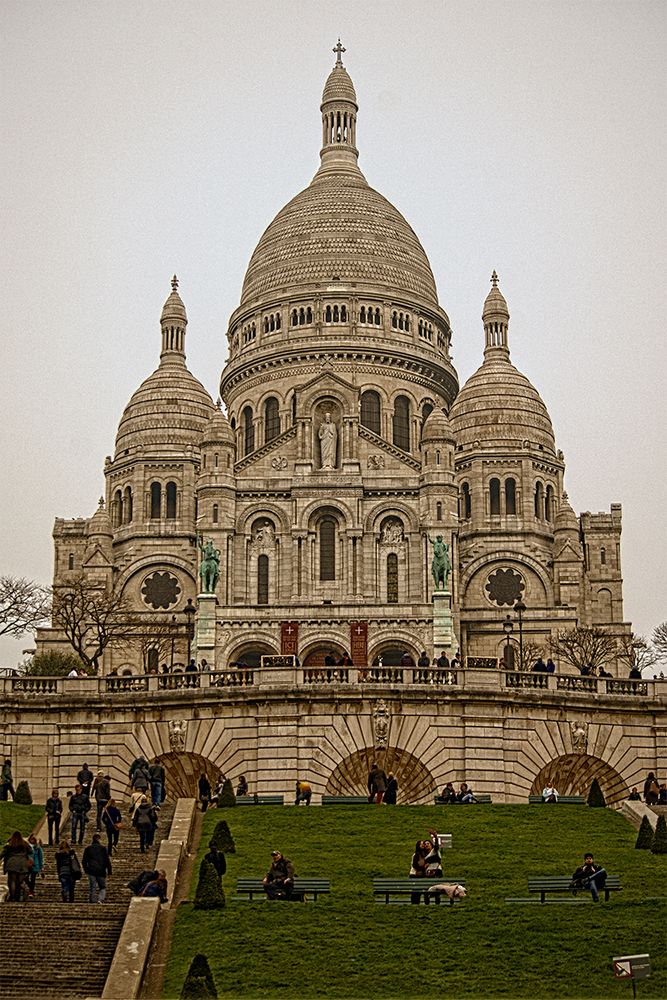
[209,571]
[441,565]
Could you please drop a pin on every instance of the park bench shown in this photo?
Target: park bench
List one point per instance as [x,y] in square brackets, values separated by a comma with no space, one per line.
[260,800]
[562,883]
[400,890]
[345,800]
[482,800]
[563,800]
[314,887]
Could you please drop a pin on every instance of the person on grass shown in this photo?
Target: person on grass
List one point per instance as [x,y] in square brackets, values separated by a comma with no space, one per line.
[589,876]
[279,880]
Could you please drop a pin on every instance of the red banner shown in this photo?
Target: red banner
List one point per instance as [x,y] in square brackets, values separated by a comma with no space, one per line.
[289,638]
[359,643]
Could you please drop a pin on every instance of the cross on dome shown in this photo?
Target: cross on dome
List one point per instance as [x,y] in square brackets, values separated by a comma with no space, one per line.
[339,49]
[174,284]
[494,279]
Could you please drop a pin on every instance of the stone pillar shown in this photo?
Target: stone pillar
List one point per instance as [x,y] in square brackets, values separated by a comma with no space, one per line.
[443,625]
[205,632]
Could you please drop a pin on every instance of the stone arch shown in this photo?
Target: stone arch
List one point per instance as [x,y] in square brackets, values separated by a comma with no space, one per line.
[573,774]
[519,560]
[336,505]
[398,509]
[396,643]
[244,521]
[416,784]
[316,651]
[142,566]
[183,771]
[250,650]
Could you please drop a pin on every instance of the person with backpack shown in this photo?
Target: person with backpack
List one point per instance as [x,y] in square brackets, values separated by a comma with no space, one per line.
[144,820]
[97,866]
[101,793]
[156,775]
[79,807]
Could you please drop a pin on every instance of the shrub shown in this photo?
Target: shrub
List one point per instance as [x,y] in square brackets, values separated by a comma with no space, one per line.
[659,845]
[645,836]
[222,838]
[54,663]
[23,795]
[596,797]
[209,894]
[226,797]
[199,982]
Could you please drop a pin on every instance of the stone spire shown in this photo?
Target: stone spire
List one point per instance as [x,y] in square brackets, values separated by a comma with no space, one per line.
[339,120]
[495,317]
[173,322]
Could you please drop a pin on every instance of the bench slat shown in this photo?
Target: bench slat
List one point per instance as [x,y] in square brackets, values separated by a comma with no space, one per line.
[563,800]
[308,886]
[405,887]
[260,800]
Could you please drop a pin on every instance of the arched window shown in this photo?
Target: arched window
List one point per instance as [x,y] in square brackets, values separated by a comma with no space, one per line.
[407,323]
[494,496]
[370,410]
[605,606]
[293,408]
[438,511]
[156,501]
[362,314]
[271,419]
[603,556]
[309,315]
[302,317]
[70,561]
[171,501]
[467,501]
[401,423]
[216,513]
[539,500]
[377,317]
[336,316]
[127,506]
[327,549]
[548,504]
[248,431]
[427,410]
[294,317]
[394,320]
[263,580]
[117,508]
[392,578]
[278,321]
[327,314]
[343,314]
[510,496]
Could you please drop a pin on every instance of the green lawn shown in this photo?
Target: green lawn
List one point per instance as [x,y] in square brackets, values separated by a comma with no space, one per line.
[345,945]
[22,818]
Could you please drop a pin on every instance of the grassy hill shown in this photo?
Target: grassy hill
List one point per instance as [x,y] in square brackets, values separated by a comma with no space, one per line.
[348,946]
[23,818]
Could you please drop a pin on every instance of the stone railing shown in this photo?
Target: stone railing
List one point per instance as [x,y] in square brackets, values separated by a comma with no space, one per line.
[282,672]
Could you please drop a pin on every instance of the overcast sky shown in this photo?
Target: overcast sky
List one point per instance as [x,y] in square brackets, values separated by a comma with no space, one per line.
[143,139]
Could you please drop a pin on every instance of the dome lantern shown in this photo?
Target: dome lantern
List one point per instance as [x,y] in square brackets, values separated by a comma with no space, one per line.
[173,322]
[495,316]
[339,120]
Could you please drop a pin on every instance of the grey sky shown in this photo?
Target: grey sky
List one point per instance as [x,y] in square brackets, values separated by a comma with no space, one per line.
[141,139]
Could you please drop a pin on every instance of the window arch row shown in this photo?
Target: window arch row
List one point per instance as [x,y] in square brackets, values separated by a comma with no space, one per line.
[370,315]
[249,333]
[163,500]
[122,506]
[335,313]
[400,321]
[302,316]
[272,322]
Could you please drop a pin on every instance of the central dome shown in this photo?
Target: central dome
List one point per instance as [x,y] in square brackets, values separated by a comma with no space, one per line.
[339,229]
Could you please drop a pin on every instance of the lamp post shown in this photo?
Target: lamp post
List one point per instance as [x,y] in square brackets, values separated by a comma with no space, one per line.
[173,626]
[190,611]
[520,607]
[508,628]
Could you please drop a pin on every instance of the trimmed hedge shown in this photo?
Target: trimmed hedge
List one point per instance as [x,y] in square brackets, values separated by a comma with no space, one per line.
[659,845]
[596,797]
[209,894]
[199,983]
[23,795]
[222,838]
[644,840]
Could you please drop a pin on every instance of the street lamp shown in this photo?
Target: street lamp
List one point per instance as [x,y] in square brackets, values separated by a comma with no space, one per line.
[520,607]
[508,628]
[190,611]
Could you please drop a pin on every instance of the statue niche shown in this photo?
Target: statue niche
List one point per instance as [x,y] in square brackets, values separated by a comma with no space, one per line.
[327,420]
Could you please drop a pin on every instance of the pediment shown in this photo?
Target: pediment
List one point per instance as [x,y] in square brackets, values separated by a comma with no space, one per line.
[96,559]
[568,553]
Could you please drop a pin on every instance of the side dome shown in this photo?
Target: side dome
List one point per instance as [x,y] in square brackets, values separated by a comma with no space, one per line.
[218,429]
[437,427]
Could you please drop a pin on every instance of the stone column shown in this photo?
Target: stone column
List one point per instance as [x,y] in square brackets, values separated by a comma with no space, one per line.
[205,632]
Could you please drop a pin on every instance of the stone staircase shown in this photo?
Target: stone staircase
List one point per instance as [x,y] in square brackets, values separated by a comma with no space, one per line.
[53,949]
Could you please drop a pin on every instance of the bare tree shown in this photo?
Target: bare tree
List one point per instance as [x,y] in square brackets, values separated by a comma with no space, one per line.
[636,651]
[524,657]
[660,641]
[24,605]
[584,647]
[93,618]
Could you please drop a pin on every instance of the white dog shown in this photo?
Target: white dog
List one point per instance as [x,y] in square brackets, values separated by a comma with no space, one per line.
[450,891]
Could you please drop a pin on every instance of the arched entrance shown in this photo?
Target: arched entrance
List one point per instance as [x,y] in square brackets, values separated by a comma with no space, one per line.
[318,657]
[183,771]
[251,655]
[415,781]
[573,774]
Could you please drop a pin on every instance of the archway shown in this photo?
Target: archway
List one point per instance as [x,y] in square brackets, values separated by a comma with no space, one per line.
[394,655]
[251,655]
[415,781]
[317,657]
[573,774]
[183,771]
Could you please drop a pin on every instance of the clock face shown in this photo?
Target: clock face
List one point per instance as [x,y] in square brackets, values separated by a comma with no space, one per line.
[161,590]
[505,587]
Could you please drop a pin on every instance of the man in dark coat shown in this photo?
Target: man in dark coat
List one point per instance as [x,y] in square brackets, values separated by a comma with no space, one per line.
[54,811]
[97,865]
[79,806]
[85,778]
[279,880]
[589,876]
[157,778]
[377,783]
[217,859]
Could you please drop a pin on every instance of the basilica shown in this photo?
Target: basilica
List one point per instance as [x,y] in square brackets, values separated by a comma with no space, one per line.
[341,465]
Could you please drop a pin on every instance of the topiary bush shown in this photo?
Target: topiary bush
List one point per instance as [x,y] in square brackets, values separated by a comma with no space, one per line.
[199,982]
[209,894]
[222,838]
[23,795]
[596,797]
[226,797]
[659,845]
[644,840]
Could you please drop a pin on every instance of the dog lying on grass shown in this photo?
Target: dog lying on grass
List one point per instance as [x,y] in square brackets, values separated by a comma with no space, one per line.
[450,891]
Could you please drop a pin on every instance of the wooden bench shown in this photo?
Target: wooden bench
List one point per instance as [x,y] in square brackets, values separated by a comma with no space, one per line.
[563,800]
[260,800]
[345,800]
[562,883]
[400,890]
[314,887]
[482,800]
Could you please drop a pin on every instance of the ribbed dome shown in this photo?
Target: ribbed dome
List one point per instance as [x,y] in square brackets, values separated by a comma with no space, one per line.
[499,406]
[218,429]
[174,310]
[566,519]
[169,410]
[339,229]
[437,427]
[99,526]
[339,86]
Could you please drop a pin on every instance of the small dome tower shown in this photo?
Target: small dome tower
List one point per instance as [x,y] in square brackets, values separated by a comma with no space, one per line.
[339,120]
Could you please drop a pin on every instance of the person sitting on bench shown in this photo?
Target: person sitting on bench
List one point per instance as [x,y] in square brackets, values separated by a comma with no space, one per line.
[279,880]
[589,876]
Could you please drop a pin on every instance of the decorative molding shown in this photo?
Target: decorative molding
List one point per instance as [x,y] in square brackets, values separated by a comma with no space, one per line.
[178,731]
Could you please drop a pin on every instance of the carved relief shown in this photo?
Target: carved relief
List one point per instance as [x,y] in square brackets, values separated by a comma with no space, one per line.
[263,538]
[392,532]
[579,733]
[375,462]
[178,731]
[279,463]
[381,719]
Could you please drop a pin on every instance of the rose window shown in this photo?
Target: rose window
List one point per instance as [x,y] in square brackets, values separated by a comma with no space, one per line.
[161,590]
[505,587]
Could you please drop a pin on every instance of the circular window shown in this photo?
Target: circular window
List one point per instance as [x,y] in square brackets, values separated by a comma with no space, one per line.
[505,587]
[161,590]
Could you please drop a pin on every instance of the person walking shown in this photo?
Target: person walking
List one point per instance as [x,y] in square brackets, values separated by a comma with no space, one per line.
[85,777]
[141,778]
[144,820]
[204,787]
[391,790]
[79,807]
[54,812]
[16,858]
[113,823]
[68,870]
[101,793]
[589,876]
[377,783]
[156,773]
[6,781]
[37,864]
[97,866]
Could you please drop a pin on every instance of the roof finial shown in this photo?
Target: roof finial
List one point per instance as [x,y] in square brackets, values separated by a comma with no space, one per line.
[174,284]
[494,279]
[101,503]
[339,49]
